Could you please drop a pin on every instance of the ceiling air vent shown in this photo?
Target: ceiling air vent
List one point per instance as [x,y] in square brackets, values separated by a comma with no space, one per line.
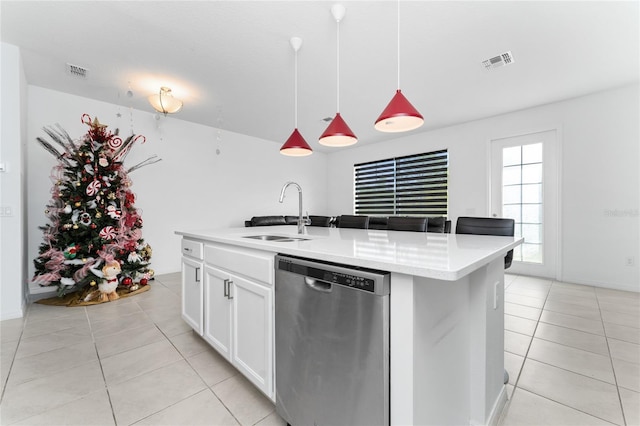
[498,61]
[77,71]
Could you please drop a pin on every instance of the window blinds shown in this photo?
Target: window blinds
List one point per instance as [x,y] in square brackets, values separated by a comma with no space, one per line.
[414,185]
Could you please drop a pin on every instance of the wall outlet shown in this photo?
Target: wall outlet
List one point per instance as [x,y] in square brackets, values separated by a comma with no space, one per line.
[630,261]
[5,211]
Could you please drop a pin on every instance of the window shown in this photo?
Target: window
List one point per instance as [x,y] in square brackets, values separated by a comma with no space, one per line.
[522,197]
[415,185]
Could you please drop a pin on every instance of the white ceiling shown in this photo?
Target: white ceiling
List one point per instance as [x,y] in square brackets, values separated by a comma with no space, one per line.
[231,62]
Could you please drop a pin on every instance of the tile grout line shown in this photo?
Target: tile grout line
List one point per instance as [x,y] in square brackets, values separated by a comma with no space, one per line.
[210,388]
[104,379]
[526,355]
[561,403]
[13,359]
[184,358]
[613,369]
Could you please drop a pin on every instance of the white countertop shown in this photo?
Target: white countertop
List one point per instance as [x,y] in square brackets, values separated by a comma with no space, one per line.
[433,255]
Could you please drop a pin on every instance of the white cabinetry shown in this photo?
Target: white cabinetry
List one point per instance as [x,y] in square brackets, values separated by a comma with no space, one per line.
[217,315]
[238,309]
[192,288]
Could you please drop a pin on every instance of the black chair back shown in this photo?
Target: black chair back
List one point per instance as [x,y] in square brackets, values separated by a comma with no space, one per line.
[436,224]
[349,221]
[488,226]
[323,221]
[416,224]
[378,222]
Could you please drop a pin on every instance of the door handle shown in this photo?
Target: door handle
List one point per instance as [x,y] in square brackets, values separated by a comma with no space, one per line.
[197,279]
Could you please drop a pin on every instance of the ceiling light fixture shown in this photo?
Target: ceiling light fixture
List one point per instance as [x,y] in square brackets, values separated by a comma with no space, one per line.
[164,102]
[296,146]
[338,132]
[399,115]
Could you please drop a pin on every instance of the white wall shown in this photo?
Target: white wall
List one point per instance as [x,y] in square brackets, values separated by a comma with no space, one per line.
[599,167]
[13,265]
[193,187]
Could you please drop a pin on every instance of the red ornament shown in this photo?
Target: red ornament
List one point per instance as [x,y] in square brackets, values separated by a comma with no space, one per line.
[127,281]
[143,281]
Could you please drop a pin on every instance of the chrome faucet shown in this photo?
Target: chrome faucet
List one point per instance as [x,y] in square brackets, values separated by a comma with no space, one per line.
[301,221]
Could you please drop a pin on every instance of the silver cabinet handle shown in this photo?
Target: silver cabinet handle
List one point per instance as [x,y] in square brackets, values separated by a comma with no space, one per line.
[187,249]
[227,289]
[197,278]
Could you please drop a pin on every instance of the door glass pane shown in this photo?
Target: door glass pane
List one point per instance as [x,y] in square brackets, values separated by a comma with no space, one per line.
[532,213]
[511,156]
[511,194]
[522,198]
[532,153]
[511,175]
[532,233]
[532,173]
[532,193]
[512,212]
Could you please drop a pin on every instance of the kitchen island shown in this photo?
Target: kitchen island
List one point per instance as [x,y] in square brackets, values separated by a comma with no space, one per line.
[446,309]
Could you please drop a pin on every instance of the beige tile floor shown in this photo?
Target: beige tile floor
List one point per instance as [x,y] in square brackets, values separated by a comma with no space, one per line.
[572,352]
[132,361]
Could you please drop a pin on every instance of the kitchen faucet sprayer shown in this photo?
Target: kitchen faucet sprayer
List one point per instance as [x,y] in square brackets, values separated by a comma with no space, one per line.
[301,222]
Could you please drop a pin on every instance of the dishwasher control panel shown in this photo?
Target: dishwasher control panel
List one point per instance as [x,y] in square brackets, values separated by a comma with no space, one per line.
[332,274]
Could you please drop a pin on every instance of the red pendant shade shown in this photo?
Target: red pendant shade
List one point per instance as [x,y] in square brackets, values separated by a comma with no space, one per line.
[338,133]
[399,116]
[296,146]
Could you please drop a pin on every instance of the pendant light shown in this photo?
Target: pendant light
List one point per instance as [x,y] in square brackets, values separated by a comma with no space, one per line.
[338,132]
[296,146]
[399,115]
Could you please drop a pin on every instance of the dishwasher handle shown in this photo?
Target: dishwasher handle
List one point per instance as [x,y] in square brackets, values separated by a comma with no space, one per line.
[318,285]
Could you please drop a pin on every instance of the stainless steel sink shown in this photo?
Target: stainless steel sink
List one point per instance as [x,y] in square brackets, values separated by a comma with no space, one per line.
[277,238]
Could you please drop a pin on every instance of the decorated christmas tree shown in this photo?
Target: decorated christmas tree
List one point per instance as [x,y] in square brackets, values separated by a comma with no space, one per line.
[93,244]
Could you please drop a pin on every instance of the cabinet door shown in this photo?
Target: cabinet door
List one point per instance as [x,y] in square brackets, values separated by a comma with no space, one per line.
[192,295]
[252,332]
[217,311]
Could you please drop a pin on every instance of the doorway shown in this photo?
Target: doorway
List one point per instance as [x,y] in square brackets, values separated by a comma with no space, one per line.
[524,187]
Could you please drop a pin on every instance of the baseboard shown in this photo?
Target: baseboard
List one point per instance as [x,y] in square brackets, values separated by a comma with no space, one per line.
[19,313]
[498,407]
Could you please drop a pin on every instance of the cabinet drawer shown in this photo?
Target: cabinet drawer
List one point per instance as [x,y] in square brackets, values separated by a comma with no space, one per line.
[191,248]
[254,264]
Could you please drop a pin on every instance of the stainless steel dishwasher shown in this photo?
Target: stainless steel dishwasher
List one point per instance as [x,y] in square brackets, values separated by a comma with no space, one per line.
[332,343]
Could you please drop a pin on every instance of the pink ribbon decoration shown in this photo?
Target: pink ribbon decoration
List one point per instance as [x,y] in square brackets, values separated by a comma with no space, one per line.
[46,279]
[84,271]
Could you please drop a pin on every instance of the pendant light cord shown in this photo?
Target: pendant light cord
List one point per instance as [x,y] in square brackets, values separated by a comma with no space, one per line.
[398,44]
[295,89]
[338,66]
